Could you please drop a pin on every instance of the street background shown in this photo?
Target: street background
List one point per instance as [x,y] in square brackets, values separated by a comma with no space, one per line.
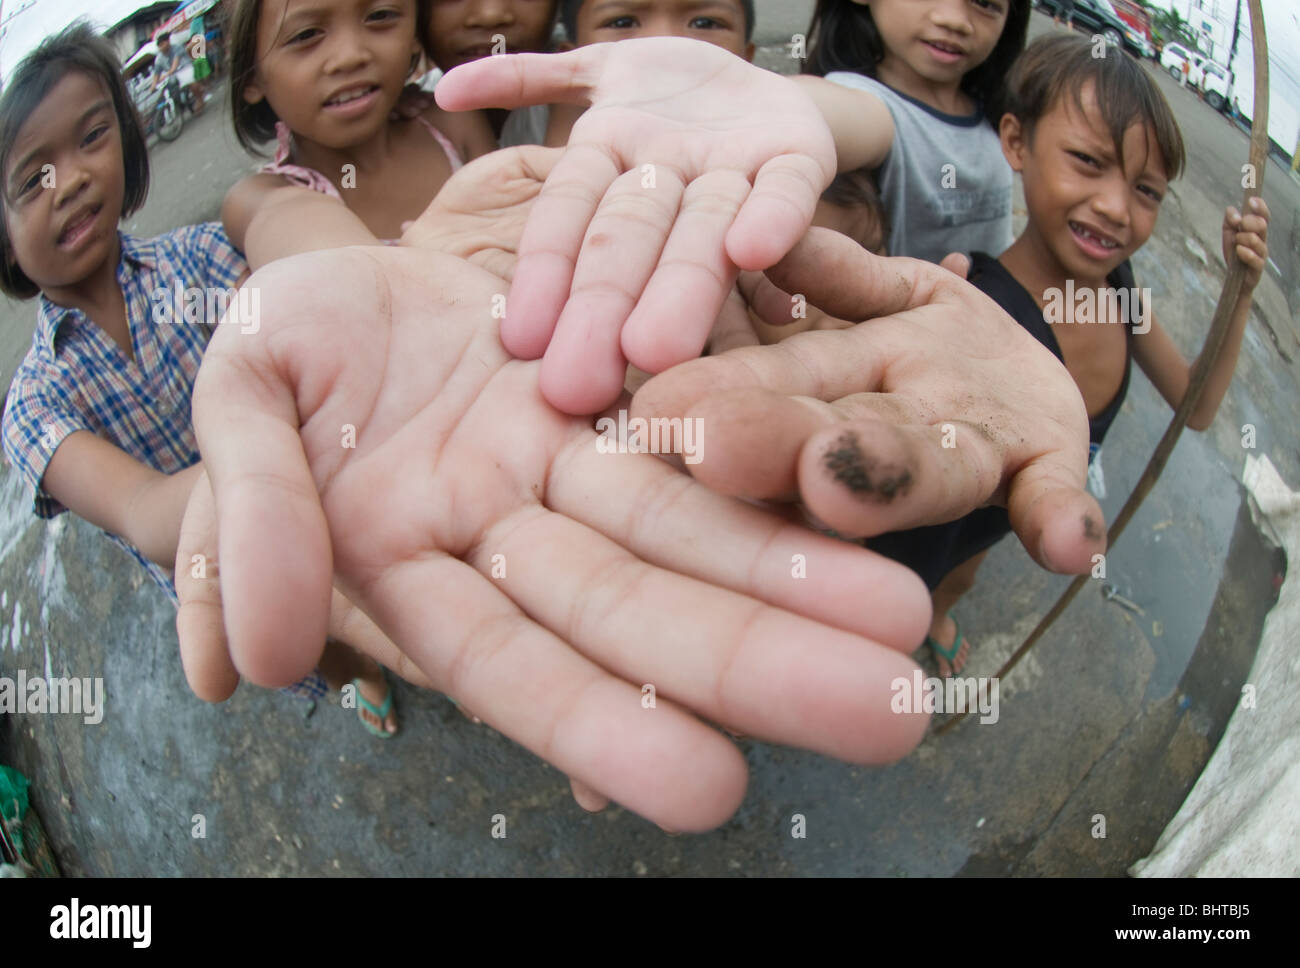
[1113,713]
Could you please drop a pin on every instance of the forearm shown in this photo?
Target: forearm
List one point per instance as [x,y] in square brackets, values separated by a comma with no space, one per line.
[859,122]
[152,519]
[303,222]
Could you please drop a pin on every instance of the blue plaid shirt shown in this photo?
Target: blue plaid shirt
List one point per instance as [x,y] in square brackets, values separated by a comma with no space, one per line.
[75,377]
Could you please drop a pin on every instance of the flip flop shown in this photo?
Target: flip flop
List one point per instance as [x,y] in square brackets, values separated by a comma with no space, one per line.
[950,655]
[379,712]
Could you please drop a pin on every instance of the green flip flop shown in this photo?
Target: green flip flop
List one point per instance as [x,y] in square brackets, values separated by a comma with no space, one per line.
[949,654]
[379,712]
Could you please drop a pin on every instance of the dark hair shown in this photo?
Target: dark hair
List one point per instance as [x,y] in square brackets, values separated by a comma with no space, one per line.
[255,123]
[1056,67]
[569,18]
[76,48]
[843,37]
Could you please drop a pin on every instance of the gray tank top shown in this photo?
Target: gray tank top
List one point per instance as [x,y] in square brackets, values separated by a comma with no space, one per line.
[944,183]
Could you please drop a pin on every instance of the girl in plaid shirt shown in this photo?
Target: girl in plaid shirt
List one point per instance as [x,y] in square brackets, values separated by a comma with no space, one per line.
[98,415]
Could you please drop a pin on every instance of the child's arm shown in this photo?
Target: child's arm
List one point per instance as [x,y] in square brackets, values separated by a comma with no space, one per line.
[1244,238]
[112,490]
[267,219]
[859,121]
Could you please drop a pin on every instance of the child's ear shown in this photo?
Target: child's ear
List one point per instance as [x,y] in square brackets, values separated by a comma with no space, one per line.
[253,92]
[749,52]
[1012,136]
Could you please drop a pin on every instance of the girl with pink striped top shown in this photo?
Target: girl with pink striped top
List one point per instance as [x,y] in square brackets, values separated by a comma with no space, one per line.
[322,78]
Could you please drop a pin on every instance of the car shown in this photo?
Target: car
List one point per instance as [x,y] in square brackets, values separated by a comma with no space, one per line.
[1213,83]
[1173,57]
[1099,17]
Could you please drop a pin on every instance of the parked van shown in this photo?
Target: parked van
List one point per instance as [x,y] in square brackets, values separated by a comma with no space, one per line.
[1214,84]
[1137,18]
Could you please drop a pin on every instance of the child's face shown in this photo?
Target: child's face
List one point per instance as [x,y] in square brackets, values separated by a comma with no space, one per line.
[1091,212]
[720,22]
[463,30]
[333,69]
[939,40]
[64,183]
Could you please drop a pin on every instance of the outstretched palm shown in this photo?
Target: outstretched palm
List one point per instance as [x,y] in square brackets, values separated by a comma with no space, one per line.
[934,405]
[379,433]
[670,181]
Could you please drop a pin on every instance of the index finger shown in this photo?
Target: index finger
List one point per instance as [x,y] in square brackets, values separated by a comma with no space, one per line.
[843,279]
[521,80]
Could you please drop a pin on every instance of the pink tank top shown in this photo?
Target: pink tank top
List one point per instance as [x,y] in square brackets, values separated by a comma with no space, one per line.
[314,180]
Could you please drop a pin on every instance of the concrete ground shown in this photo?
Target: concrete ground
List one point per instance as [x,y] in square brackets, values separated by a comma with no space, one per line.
[1112,715]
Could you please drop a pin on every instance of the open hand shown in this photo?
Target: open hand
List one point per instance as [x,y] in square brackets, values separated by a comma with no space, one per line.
[375,432]
[936,404]
[480,212]
[689,163]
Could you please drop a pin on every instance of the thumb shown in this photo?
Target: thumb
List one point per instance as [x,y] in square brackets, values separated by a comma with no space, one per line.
[200,628]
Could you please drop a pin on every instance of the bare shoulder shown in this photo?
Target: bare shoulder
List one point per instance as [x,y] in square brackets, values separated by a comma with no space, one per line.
[469,131]
[249,192]
[245,198]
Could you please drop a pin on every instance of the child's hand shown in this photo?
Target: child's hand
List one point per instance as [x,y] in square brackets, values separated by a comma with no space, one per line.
[1246,238]
[689,163]
[541,582]
[936,405]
